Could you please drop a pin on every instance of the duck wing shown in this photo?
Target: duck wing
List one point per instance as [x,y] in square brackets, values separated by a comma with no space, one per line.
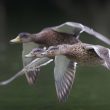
[34,65]
[32,74]
[102,52]
[64,74]
[77,28]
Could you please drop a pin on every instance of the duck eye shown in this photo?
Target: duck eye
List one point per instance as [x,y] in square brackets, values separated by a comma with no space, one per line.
[23,35]
[38,50]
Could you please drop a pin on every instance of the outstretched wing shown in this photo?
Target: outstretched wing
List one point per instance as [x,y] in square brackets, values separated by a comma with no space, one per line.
[2,83]
[97,35]
[32,74]
[77,28]
[64,73]
[34,65]
[69,28]
[102,52]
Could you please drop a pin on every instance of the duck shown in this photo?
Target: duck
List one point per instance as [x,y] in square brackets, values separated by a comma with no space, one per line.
[82,53]
[66,33]
[79,53]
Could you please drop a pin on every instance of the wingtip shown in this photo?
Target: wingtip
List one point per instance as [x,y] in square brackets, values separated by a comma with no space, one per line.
[32,76]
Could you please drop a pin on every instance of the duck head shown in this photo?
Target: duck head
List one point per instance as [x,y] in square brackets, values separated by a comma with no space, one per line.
[22,38]
[52,51]
[37,52]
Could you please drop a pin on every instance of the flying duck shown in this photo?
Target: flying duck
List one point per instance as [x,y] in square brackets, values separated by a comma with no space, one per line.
[79,53]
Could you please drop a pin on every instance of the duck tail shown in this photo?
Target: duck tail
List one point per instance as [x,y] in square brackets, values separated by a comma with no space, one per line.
[107,64]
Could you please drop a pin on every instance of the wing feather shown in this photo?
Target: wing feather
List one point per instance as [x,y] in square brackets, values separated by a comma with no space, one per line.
[64,73]
[77,28]
[32,75]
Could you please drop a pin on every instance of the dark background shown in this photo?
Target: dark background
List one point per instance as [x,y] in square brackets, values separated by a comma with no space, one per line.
[91,90]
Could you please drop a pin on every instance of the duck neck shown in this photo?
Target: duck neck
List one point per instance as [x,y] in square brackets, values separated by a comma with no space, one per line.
[64,50]
[37,38]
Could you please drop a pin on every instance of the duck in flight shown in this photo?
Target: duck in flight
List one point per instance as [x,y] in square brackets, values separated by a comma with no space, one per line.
[66,33]
[79,53]
[71,55]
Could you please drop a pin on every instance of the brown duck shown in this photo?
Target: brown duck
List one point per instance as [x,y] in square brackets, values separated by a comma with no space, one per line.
[67,33]
[79,53]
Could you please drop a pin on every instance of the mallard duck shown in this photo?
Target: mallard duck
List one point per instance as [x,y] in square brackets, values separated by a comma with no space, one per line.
[82,53]
[79,53]
[67,33]
[63,34]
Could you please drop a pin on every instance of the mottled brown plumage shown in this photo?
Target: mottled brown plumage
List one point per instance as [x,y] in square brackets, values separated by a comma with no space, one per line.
[80,54]
[49,37]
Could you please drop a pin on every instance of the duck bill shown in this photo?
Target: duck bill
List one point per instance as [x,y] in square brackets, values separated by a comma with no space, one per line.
[16,40]
[29,55]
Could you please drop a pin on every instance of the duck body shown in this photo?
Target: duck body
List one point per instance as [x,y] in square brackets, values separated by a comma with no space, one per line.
[49,37]
[81,55]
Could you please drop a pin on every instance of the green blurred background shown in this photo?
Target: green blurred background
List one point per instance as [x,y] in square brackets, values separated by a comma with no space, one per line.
[91,90]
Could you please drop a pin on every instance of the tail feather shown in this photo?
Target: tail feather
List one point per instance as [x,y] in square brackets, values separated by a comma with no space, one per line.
[107,64]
